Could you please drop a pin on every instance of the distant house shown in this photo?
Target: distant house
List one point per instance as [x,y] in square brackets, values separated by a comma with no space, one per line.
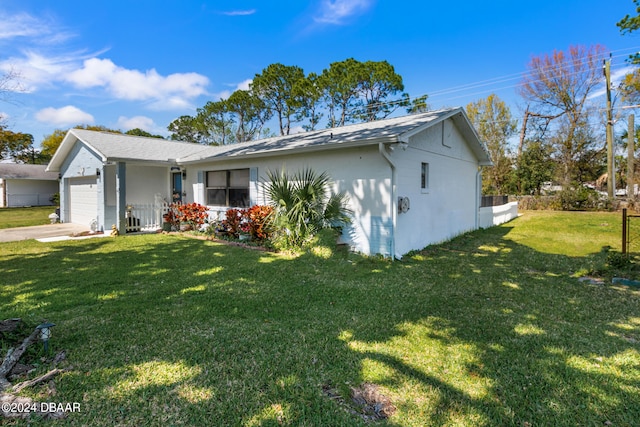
[411,181]
[26,185]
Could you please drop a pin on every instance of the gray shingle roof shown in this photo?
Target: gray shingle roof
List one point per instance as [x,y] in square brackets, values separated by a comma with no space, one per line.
[20,171]
[361,133]
[116,147]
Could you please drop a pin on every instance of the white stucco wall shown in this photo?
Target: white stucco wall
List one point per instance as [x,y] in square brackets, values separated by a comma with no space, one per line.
[360,172]
[144,182]
[81,162]
[27,192]
[449,206]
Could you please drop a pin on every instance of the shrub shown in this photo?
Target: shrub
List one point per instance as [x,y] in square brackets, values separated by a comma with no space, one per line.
[582,199]
[303,204]
[191,213]
[573,199]
[233,222]
[260,222]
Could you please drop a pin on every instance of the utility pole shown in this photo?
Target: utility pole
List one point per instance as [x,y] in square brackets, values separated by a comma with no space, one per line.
[631,148]
[611,186]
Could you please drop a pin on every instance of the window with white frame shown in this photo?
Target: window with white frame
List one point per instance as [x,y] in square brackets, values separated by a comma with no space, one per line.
[228,188]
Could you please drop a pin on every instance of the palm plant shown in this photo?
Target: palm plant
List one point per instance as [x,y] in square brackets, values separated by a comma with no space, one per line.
[304,204]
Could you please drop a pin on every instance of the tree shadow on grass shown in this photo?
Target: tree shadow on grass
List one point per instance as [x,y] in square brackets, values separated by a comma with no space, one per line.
[479,331]
[538,347]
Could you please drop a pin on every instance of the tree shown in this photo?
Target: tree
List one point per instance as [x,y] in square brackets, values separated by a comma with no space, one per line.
[308,95]
[251,113]
[418,105]
[51,142]
[492,119]
[9,83]
[560,85]
[188,129]
[141,132]
[16,146]
[216,120]
[534,167]
[274,86]
[360,91]
[340,86]
[629,87]
[629,24]
[377,82]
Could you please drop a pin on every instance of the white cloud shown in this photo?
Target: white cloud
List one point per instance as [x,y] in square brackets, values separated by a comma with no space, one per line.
[68,115]
[173,103]
[140,122]
[45,31]
[243,85]
[616,78]
[337,11]
[175,89]
[239,12]
[35,70]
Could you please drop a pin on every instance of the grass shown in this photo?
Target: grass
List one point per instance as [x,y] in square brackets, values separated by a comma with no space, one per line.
[492,328]
[24,217]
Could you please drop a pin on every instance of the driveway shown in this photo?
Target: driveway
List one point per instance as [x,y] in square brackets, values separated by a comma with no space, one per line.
[40,232]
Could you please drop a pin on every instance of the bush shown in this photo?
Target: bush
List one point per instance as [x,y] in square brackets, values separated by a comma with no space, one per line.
[572,199]
[233,222]
[191,213]
[260,222]
[303,205]
[581,199]
[618,260]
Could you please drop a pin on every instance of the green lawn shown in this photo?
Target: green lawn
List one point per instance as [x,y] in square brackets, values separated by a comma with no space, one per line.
[23,217]
[490,329]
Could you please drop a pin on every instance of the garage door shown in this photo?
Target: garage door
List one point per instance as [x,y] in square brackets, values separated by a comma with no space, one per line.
[83,195]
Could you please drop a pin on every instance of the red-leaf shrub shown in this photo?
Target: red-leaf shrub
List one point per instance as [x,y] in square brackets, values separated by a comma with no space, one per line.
[256,221]
[192,213]
[233,222]
[259,221]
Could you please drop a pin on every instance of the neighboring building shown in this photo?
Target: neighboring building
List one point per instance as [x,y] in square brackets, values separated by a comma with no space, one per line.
[26,185]
[411,181]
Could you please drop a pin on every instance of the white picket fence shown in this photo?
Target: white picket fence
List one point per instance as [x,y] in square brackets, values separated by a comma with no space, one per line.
[145,216]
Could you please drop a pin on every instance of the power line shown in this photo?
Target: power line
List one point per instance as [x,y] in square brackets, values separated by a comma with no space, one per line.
[620,53]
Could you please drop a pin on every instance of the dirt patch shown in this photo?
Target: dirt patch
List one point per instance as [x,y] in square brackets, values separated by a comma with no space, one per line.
[367,402]
[9,325]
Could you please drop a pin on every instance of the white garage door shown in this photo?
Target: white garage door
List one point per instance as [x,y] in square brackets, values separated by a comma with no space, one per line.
[83,194]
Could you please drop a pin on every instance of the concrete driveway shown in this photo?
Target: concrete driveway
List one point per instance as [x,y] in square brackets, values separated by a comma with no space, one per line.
[40,232]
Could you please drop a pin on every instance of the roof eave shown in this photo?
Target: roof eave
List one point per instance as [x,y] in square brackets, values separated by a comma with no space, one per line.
[296,150]
[65,148]
[464,126]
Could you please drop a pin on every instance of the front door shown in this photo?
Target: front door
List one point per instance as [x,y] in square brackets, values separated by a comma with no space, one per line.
[176,182]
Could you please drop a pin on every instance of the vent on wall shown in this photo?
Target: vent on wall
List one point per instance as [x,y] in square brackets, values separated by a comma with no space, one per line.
[403,204]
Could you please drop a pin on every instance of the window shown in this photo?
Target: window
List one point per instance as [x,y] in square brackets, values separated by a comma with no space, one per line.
[424,182]
[228,188]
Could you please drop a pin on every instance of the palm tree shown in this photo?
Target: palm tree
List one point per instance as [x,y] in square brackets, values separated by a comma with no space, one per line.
[304,204]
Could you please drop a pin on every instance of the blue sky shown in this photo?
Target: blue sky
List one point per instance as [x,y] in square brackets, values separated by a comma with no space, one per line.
[143,63]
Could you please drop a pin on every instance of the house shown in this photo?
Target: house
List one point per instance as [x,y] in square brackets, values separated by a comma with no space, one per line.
[411,181]
[26,185]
